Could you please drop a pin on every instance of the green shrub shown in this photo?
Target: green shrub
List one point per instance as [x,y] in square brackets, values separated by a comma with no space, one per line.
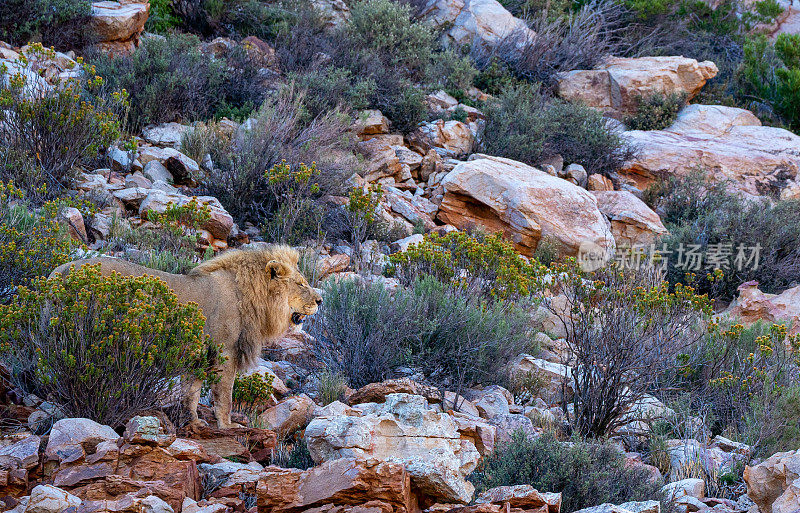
[524,124]
[333,87]
[280,133]
[772,74]
[487,265]
[31,243]
[58,23]
[104,347]
[168,79]
[171,245]
[747,379]
[707,218]
[331,387]
[587,474]
[162,17]
[458,341]
[251,393]
[656,111]
[387,29]
[45,132]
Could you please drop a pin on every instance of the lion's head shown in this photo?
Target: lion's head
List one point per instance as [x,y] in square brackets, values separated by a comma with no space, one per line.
[287,281]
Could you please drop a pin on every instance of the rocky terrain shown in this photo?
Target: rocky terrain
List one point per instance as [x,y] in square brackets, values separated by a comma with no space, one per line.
[558,247]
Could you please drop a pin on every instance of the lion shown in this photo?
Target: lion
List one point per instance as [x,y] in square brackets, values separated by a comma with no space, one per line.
[249,298]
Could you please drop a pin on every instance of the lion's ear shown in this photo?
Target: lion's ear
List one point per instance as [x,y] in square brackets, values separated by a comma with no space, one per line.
[278,270]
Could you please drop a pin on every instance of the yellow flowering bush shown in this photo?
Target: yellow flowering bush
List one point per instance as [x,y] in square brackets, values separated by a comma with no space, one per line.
[487,263]
[105,347]
[47,129]
[31,244]
[251,393]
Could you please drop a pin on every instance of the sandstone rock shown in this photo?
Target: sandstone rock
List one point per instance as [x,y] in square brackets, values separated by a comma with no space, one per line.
[449,138]
[402,245]
[598,182]
[332,264]
[691,487]
[155,171]
[49,499]
[440,101]
[380,158]
[403,430]
[165,134]
[73,219]
[147,431]
[23,453]
[343,482]
[219,225]
[229,473]
[552,374]
[491,404]
[576,174]
[371,122]
[753,305]
[377,392]
[522,496]
[627,507]
[333,13]
[474,22]
[178,164]
[70,438]
[524,203]
[729,143]
[614,85]
[117,21]
[774,481]
[632,221]
[510,423]
[289,415]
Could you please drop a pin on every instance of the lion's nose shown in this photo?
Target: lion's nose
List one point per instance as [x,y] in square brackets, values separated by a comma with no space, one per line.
[319,301]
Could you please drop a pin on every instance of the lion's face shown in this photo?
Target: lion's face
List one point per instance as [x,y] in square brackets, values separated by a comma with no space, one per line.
[303,299]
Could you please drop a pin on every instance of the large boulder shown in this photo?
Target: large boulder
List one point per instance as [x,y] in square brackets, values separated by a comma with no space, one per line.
[404,429]
[474,22]
[116,26]
[773,484]
[385,486]
[70,439]
[524,203]
[632,221]
[728,143]
[523,496]
[50,499]
[613,86]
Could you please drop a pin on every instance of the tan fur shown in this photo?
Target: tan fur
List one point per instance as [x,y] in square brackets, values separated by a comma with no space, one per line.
[248,298]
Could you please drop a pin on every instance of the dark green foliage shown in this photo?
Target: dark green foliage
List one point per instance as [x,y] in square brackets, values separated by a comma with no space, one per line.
[525,125]
[587,474]
[235,18]
[699,214]
[169,80]
[58,23]
[656,111]
[333,87]
[363,332]
[771,73]
[162,17]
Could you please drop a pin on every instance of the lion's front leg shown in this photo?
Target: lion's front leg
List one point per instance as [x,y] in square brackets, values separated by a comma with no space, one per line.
[223,397]
[191,398]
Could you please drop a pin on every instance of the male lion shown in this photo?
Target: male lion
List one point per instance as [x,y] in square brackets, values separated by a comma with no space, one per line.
[248,297]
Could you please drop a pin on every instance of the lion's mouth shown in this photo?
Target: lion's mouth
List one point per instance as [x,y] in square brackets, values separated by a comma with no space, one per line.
[297,318]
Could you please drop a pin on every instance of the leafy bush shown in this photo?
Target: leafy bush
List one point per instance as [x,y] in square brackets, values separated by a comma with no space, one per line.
[524,124]
[251,393]
[331,387]
[104,347]
[709,218]
[360,331]
[587,474]
[234,18]
[279,133]
[772,74]
[363,332]
[171,245]
[656,111]
[58,23]
[333,87]
[747,379]
[45,131]
[31,244]
[168,79]
[486,265]
[162,17]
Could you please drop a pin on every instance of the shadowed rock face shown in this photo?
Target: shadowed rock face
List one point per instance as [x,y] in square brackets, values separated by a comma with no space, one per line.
[524,203]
